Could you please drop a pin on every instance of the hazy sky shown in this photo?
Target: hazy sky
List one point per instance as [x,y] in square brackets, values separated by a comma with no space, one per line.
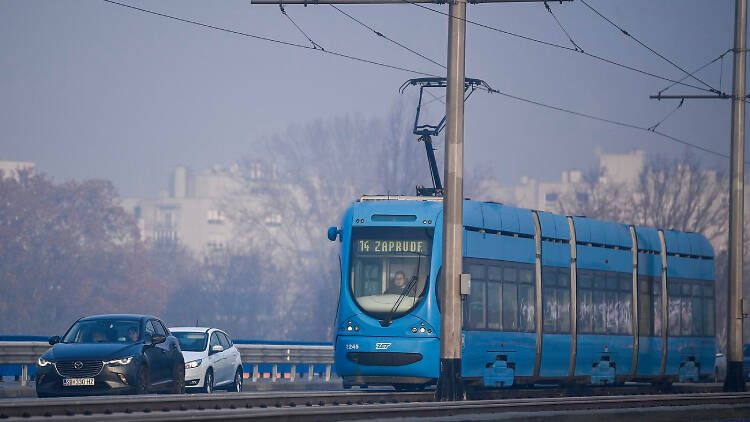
[91,89]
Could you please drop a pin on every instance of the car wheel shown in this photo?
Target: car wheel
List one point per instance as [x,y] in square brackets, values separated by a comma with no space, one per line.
[208,383]
[141,383]
[237,385]
[179,379]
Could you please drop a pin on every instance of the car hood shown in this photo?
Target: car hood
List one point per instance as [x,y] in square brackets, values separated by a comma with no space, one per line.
[189,356]
[103,351]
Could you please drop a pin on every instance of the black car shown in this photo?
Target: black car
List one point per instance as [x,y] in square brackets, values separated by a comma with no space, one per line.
[111,354]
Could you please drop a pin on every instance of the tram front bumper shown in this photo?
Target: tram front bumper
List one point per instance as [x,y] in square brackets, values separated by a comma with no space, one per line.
[387,360]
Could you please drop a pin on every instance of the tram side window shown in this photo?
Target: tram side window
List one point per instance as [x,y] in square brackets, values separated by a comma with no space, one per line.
[476,310]
[649,304]
[690,307]
[501,298]
[556,299]
[604,302]
[526,298]
[709,322]
[585,282]
[510,298]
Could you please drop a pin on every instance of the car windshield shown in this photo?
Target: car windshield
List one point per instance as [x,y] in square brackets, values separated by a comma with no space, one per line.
[191,341]
[747,350]
[104,331]
[389,269]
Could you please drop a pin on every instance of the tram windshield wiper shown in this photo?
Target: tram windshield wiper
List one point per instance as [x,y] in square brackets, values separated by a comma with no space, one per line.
[412,283]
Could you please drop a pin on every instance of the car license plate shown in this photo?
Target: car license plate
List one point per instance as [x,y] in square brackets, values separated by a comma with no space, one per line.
[74,382]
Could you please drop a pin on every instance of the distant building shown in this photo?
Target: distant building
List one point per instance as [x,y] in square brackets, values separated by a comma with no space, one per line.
[538,195]
[192,212]
[621,168]
[10,169]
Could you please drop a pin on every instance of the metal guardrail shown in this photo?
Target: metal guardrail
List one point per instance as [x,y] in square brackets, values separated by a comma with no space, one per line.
[26,353]
[275,354]
[21,352]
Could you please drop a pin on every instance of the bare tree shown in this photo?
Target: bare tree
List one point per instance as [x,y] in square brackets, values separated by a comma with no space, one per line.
[676,194]
[68,240]
[312,173]
[679,194]
[597,196]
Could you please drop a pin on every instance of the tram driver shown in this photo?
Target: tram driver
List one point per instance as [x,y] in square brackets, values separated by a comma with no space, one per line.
[398,285]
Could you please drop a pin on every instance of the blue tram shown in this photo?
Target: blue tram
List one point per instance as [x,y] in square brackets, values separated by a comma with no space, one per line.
[552,299]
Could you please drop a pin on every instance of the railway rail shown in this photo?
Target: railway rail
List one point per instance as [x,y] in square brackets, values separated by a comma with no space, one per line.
[354,405]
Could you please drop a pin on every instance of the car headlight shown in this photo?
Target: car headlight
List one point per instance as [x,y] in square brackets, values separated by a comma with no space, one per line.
[121,361]
[43,362]
[193,364]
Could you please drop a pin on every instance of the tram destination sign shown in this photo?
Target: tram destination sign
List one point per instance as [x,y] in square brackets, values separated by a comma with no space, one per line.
[390,246]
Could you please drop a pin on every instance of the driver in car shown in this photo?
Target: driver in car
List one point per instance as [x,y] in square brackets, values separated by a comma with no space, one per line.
[133,334]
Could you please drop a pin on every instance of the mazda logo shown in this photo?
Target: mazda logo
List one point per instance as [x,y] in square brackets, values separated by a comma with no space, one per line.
[78,365]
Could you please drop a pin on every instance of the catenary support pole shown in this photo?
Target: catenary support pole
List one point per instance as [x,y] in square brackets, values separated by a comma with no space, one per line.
[449,384]
[734,380]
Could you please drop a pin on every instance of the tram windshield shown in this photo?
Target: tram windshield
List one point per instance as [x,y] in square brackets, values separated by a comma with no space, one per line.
[389,269]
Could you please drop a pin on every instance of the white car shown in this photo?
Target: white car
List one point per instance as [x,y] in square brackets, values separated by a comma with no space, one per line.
[211,360]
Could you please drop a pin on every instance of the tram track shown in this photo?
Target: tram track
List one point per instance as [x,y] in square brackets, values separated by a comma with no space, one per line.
[649,407]
[101,405]
[148,405]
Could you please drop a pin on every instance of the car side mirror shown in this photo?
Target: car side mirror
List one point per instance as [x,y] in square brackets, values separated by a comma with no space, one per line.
[216,349]
[54,340]
[157,339]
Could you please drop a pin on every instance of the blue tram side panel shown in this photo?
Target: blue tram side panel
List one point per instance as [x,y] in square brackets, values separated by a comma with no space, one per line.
[690,292]
[604,300]
[650,335]
[499,340]
[552,298]
[556,329]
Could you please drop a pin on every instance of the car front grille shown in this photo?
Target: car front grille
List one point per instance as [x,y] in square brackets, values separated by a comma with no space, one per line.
[79,368]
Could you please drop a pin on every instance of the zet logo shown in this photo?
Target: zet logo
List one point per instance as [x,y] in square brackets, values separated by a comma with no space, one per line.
[382,346]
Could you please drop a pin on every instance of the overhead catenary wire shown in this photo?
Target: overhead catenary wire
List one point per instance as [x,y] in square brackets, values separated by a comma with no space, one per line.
[492,90]
[628,34]
[314,44]
[719,57]
[487,87]
[549,9]
[382,35]
[560,46]
[653,127]
[271,40]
